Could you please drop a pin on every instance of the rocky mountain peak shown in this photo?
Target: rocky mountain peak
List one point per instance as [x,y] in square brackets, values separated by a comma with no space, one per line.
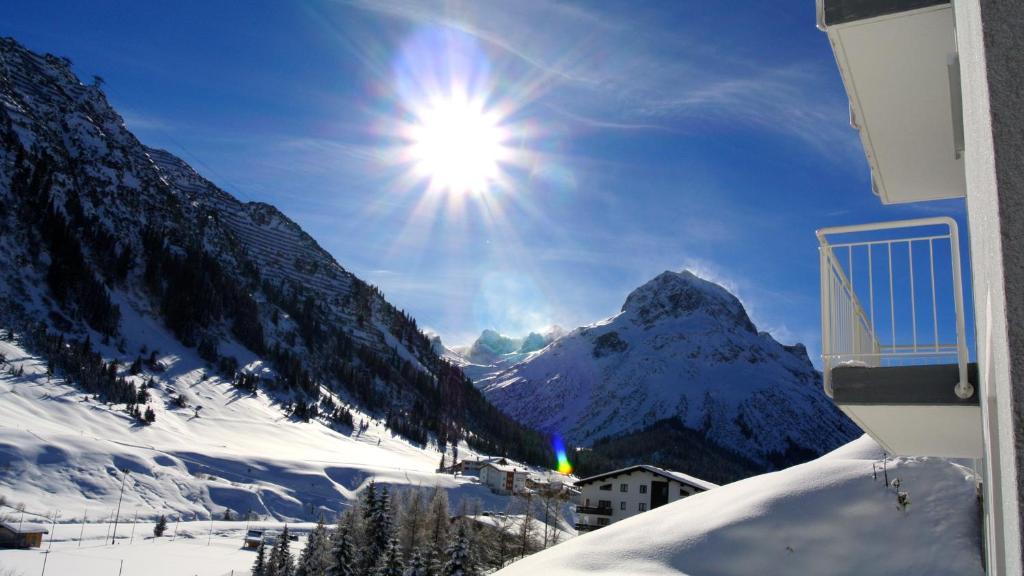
[676,294]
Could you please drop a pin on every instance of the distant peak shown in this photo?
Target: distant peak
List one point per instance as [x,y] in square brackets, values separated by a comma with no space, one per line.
[674,294]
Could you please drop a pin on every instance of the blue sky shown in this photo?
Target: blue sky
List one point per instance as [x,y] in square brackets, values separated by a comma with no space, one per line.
[650,136]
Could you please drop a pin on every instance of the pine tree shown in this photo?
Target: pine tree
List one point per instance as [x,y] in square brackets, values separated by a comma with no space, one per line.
[343,554]
[459,562]
[281,556]
[274,561]
[417,565]
[315,557]
[369,500]
[161,526]
[259,567]
[379,525]
[382,527]
[391,562]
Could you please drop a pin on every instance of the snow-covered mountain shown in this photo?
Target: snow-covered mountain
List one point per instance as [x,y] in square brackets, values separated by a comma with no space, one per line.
[97,229]
[834,515]
[681,347]
[493,352]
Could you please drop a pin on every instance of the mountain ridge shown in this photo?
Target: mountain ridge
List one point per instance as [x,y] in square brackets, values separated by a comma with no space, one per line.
[94,220]
[680,347]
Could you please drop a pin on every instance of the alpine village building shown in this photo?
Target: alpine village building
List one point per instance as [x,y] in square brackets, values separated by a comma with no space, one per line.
[616,495]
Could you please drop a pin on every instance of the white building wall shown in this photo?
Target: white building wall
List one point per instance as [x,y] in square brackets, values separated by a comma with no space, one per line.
[991,52]
[631,498]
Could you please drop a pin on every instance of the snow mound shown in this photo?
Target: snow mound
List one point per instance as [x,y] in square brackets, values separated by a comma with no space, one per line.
[828,516]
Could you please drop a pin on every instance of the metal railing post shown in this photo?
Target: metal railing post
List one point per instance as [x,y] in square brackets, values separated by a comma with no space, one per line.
[826,349]
[964,389]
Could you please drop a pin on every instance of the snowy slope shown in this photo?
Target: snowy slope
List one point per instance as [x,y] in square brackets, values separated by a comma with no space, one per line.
[828,516]
[680,347]
[60,450]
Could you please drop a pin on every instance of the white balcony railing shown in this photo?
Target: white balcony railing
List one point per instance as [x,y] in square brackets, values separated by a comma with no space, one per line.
[892,295]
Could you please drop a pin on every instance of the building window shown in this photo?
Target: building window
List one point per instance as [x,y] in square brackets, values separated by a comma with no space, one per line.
[602,521]
[682,493]
[643,488]
[606,504]
[643,507]
[622,505]
[605,487]
[623,487]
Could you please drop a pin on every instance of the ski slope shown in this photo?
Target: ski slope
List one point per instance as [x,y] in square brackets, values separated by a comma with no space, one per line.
[828,516]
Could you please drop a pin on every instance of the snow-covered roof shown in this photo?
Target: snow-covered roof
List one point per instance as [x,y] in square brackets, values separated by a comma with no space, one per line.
[505,467]
[670,474]
[25,528]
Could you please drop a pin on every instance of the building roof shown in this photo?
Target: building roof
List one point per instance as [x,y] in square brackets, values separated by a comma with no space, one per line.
[505,468]
[25,528]
[671,475]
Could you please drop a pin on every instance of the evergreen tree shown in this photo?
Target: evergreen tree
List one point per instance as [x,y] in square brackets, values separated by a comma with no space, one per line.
[391,561]
[343,553]
[381,527]
[161,526]
[417,565]
[459,562]
[434,560]
[369,500]
[259,567]
[315,557]
[282,564]
[274,561]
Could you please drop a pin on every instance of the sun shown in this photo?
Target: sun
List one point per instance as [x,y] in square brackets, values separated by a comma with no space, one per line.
[457,145]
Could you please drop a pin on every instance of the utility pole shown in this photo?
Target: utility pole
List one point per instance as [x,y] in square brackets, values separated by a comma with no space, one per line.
[46,555]
[210,538]
[81,532]
[176,522]
[124,476]
[134,520]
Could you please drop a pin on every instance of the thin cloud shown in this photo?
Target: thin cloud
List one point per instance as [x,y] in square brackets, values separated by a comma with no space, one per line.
[611,76]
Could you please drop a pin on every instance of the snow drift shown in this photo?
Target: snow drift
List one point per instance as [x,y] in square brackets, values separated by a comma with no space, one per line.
[828,516]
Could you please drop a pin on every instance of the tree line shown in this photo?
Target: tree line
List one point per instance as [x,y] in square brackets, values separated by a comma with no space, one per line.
[410,534]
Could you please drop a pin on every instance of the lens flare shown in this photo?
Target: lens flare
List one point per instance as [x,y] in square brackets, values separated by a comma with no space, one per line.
[457,145]
[455,131]
[564,466]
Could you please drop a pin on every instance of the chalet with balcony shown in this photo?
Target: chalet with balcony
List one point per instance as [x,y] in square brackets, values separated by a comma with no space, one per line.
[607,498]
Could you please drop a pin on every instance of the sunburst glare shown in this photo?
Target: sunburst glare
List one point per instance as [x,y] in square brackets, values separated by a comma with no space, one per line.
[457,145]
[455,136]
